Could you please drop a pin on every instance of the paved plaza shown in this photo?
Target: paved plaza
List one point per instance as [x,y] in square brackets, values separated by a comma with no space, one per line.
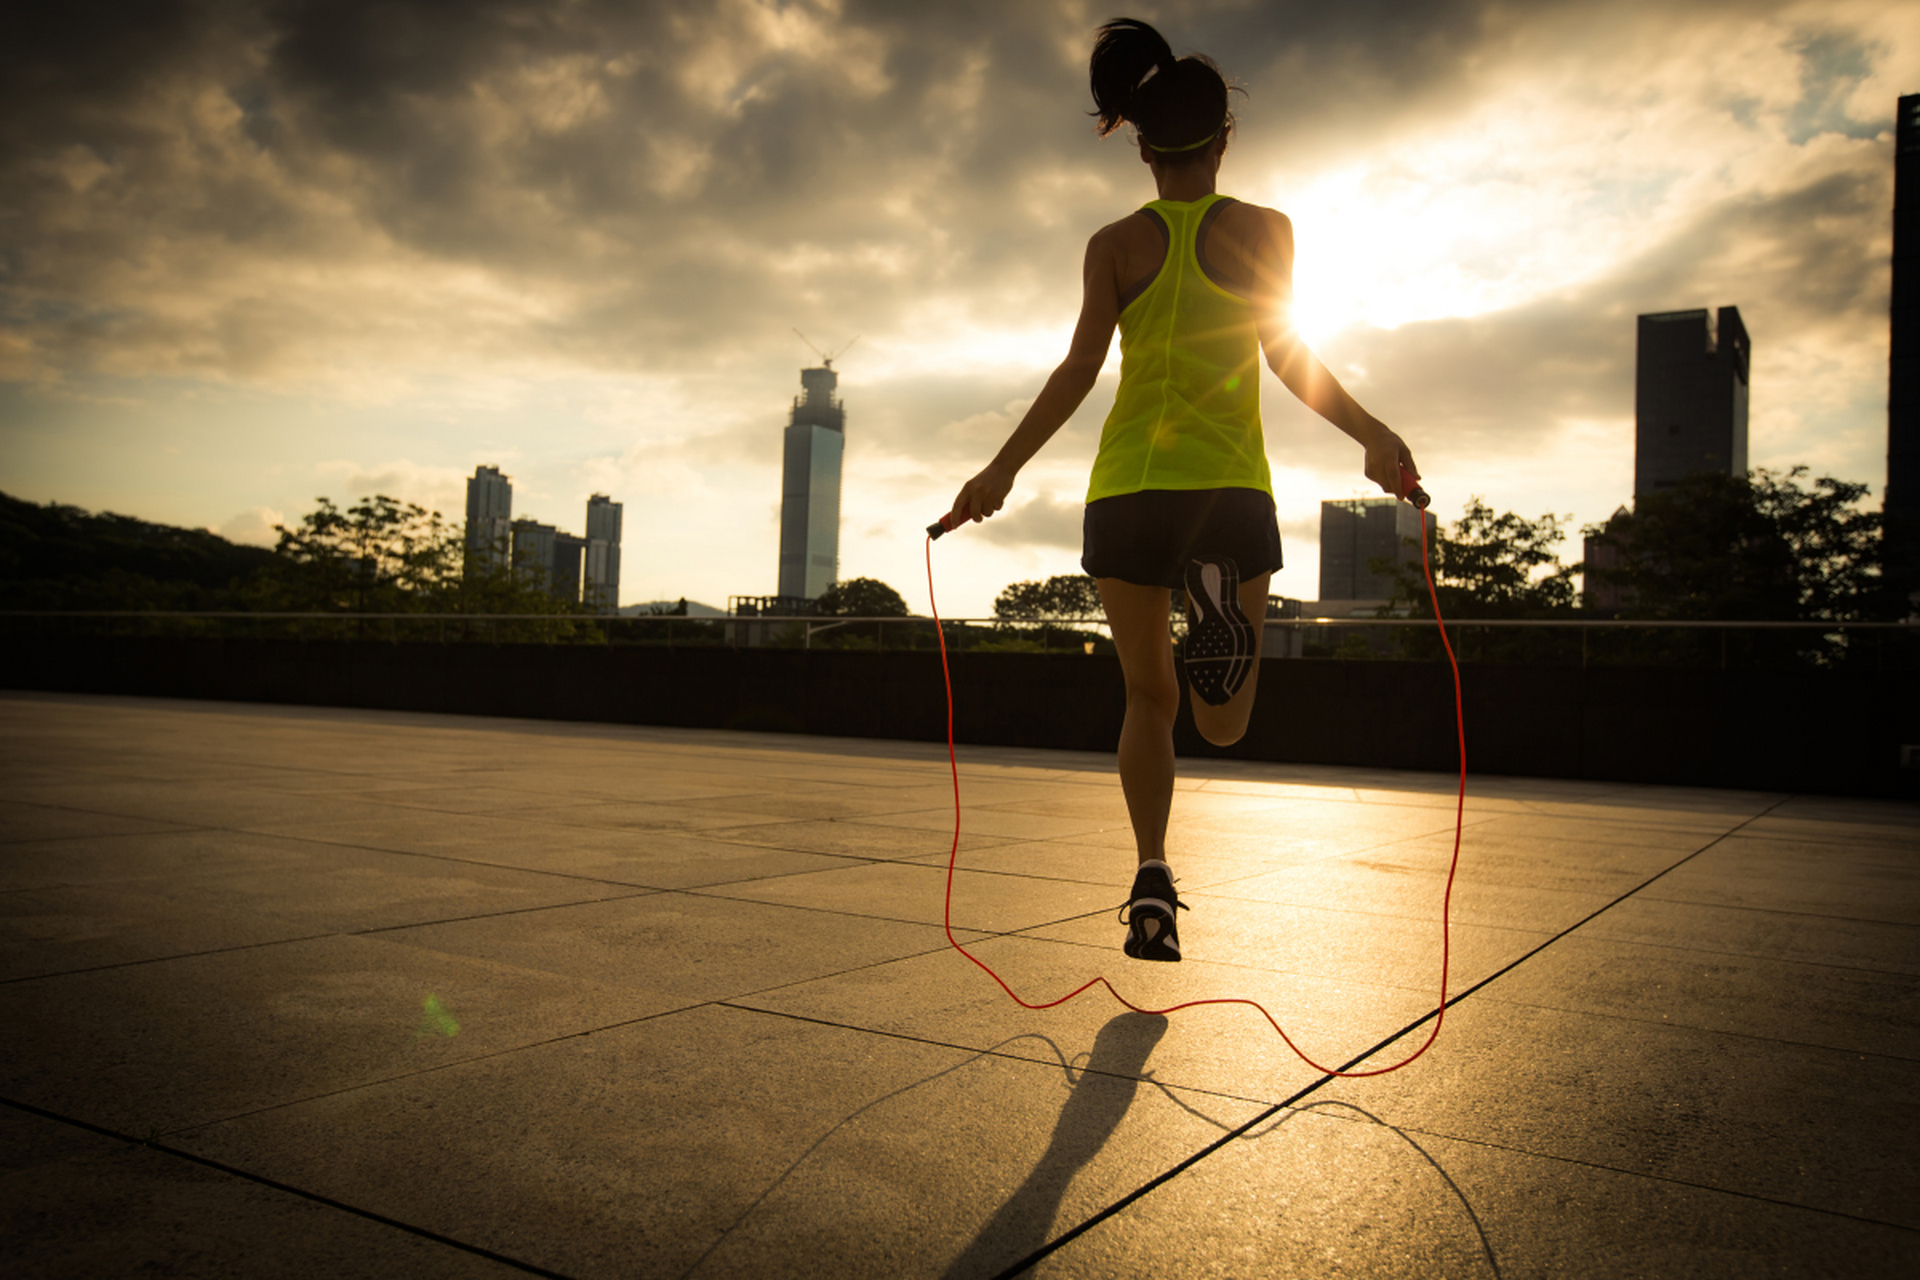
[302,992]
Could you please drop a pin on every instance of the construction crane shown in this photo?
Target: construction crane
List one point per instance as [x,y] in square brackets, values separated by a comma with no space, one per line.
[826,358]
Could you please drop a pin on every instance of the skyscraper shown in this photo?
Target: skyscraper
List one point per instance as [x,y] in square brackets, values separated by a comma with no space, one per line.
[489,515]
[1902,501]
[603,553]
[810,487]
[1357,530]
[1689,397]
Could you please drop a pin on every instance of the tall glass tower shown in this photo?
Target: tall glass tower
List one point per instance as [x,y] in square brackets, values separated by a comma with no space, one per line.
[1689,397]
[810,487]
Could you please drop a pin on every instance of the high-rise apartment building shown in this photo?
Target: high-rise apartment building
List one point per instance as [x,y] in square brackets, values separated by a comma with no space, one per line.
[603,553]
[549,556]
[1355,531]
[1902,501]
[1689,397]
[810,487]
[490,515]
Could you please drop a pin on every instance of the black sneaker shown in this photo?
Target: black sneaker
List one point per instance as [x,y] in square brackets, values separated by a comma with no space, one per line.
[1153,933]
[1219,649]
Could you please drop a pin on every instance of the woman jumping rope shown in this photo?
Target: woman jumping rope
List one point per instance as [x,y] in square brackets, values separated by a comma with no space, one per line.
[1181,498]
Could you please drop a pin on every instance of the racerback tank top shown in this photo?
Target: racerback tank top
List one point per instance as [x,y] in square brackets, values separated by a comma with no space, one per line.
[1187,415]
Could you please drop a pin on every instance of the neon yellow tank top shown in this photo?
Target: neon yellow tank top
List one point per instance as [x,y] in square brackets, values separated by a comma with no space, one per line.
[1187,415]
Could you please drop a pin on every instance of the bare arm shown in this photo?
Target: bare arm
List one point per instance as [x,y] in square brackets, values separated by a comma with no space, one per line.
[1066,387]
[1302,372]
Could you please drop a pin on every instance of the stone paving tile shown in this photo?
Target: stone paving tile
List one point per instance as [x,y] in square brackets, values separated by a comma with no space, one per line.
[727,1142]
[824,800]
[231,889]
[1859,883]
[680,947]
[1808,1004]
[1578,863]
[1228,1049]
[196,802]
[156,1047]
[1330,1190]
[22,821]
[557,848]
[1385,889]
[1352,946]
[1800,1125]
[854,839]
[1001,822]
[907,891]
[1088,864]
[1303,828]
[75,1204]
[1870,945]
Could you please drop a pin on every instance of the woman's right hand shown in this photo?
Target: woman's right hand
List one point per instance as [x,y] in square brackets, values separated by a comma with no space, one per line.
[1387,454]
[983,495]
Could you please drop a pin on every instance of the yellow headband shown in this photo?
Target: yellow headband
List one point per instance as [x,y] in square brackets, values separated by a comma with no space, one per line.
[1191,146]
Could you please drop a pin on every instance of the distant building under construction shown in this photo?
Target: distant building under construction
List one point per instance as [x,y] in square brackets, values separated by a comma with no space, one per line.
[810,488]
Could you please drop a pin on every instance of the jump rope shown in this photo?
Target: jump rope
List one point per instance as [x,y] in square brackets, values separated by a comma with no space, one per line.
[1410,491]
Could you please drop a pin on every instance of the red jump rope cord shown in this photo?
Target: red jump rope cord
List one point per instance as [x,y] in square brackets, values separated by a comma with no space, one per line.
[1446,907]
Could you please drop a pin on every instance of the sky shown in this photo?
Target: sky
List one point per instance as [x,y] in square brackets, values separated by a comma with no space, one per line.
[252,254]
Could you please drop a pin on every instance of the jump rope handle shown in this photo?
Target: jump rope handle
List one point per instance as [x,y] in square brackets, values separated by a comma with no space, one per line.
[1410,490]
[940,526]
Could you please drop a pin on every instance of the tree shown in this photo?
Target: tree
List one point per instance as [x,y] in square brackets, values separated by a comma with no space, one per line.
[378,556]
[1490,566]
[382,555]
[1752,547]
[1757,547]
[61,557]
[860,598]
[1071,595]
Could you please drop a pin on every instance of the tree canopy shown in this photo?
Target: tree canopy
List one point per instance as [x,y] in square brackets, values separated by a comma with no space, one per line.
[1491,565]
[1753,547]
[1072,595]
[62,557]
[860,598]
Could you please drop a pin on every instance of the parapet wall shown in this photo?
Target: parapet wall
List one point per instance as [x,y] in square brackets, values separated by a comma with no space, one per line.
[1836,732]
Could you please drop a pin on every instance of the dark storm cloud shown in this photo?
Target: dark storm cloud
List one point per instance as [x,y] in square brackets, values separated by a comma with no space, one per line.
[688,177]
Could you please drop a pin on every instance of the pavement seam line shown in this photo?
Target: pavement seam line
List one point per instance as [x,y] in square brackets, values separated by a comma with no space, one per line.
[1076,1232]
[274,1183]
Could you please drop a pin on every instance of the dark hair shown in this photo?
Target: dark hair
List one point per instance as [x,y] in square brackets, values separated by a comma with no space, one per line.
[1176,104]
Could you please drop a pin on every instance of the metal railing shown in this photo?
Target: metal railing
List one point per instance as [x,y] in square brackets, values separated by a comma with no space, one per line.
[1062,634]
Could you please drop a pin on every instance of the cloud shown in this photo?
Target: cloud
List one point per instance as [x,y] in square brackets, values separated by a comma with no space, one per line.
[255,526]
[441,489]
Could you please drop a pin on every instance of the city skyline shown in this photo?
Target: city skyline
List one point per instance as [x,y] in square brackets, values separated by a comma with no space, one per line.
[253,263]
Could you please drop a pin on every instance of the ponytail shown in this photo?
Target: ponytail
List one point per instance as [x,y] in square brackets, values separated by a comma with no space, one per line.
[1177,105]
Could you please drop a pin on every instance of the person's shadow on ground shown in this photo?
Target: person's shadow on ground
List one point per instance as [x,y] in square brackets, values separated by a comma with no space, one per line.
[1100,1098]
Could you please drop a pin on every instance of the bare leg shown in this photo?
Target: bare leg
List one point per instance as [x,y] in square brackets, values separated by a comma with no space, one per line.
[1224,725]
[1138,616]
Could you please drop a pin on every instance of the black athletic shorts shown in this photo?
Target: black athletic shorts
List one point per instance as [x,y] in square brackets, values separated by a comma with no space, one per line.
[1149,537]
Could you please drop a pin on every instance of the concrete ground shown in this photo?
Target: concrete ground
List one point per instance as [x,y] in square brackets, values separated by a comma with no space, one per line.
[332,993]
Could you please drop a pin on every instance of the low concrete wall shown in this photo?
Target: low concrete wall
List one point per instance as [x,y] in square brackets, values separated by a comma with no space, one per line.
[1837,732]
